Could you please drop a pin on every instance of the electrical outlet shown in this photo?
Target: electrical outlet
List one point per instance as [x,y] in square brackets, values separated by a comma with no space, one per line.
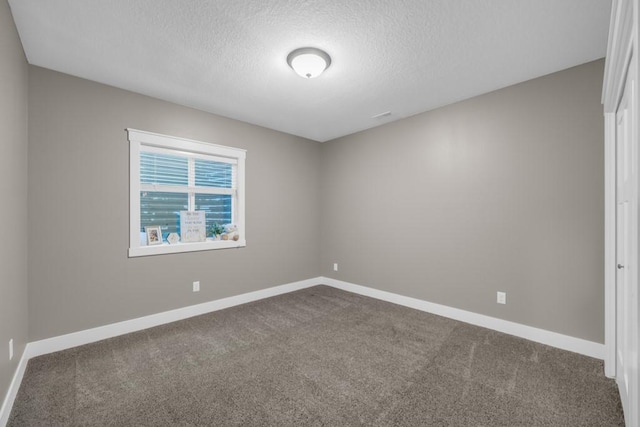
[11,349]
[196,286]
[502,297]
[335,266]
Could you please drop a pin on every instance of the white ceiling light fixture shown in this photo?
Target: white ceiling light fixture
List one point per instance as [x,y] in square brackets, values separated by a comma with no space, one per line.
[309,62]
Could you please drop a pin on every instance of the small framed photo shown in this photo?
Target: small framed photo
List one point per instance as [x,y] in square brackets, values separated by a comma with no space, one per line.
[154,235]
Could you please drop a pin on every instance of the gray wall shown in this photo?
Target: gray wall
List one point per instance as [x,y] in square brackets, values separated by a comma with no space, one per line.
[502,192]
[13,188]
[80,276]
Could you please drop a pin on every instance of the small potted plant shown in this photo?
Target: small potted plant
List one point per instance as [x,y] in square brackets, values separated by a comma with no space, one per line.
[217,230]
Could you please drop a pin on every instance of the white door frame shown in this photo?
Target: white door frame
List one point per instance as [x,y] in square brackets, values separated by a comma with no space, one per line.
[621,54]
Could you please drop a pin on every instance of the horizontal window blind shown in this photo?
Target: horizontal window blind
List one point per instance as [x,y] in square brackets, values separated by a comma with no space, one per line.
[214,174]
[218,208]
[163,169]
[163,209]
[169,185]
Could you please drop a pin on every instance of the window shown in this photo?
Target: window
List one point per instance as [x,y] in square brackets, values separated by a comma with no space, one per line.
[169,175]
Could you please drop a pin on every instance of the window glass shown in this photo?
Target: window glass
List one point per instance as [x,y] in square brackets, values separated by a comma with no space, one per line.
[163,209]
[213,174]
[163,169]
[217,207]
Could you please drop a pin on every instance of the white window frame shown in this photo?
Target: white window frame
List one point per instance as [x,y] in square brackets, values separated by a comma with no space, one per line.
[147,141]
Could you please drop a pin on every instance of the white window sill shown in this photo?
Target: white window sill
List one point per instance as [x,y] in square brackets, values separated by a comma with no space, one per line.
[166,248]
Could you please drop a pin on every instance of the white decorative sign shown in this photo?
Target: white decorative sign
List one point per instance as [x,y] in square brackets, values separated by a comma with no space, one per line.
[193,227]
[173,238]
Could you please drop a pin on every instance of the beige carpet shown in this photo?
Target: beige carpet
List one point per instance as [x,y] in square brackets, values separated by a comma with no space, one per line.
[317,357]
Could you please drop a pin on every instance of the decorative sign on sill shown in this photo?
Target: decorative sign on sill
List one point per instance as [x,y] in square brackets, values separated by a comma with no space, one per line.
[173,238]
[193,227]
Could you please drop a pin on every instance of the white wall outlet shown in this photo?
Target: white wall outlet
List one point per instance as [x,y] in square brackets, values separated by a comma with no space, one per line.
[502,297]
[196,286]
[11,349]
[335,266]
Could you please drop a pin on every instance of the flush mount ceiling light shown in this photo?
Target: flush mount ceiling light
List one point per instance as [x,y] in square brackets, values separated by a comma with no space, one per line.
[309,62]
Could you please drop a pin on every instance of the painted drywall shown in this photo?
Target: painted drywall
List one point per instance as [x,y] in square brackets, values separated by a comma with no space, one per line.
[502,192]
[13,187]
[80,275]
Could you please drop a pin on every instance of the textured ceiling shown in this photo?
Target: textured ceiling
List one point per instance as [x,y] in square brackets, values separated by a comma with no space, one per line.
[229,57]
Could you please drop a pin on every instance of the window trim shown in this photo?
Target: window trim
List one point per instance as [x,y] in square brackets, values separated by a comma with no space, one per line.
[139,139]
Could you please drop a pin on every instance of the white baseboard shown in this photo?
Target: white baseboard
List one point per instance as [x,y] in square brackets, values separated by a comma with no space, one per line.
[87,336]
[63,342]
[7,404]
[553,339]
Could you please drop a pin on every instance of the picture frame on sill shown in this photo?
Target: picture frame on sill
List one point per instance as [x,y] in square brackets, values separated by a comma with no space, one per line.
[154,235]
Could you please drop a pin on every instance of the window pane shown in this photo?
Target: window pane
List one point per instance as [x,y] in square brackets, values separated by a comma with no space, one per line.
[163,169]
[158,208]
[213,174]
[217,208]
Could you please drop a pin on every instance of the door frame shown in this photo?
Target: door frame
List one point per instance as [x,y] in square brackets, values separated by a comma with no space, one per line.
[621,55]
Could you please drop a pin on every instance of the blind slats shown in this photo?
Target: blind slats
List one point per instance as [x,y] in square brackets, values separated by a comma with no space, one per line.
[163,209]
[213,174]
[169,184]
[163,169]
[174,170]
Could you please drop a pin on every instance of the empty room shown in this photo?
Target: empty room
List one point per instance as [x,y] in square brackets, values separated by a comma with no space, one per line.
[319,213]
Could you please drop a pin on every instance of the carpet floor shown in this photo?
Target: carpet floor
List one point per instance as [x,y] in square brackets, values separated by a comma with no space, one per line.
[316,357]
